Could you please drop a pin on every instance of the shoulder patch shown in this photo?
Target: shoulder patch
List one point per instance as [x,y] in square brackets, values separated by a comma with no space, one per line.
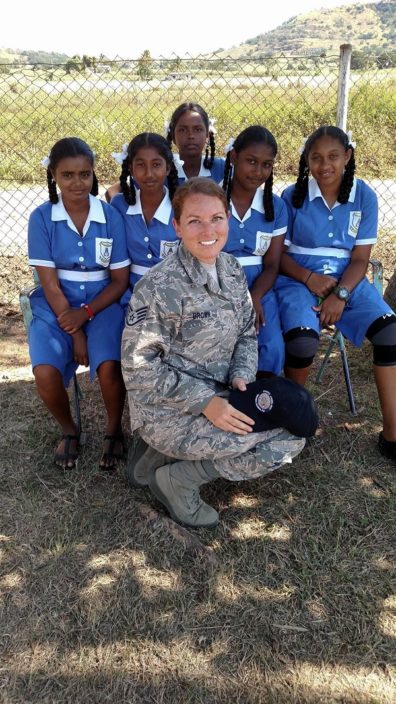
[136,317]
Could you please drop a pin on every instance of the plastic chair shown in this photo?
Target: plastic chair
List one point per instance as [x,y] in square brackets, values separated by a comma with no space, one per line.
[336,338]
[24,302]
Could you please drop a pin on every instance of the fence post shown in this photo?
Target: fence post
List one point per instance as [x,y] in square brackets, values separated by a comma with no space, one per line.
[343,85]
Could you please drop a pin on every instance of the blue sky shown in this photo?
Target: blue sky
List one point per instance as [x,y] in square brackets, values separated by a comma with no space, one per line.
[126,27]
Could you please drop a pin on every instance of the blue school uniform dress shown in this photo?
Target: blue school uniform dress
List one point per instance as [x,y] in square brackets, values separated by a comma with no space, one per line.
[147,244]
[321,239]
[248,240]
[216,172]
[83,265]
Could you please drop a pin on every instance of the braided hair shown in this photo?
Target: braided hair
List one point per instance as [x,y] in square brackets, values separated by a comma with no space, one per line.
[210,149]
[156,141]
[301,186]
[255,134]
[63,149]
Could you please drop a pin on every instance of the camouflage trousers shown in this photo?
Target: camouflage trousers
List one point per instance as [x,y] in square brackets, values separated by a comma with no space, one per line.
[235,457]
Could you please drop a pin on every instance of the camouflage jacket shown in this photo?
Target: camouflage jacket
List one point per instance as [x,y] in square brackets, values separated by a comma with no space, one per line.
[186,337]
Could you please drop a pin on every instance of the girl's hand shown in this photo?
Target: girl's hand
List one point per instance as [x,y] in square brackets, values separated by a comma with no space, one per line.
[321,284]
[239,383]
[72,319]
[80,349]
[258,309]
[226,417]
[330,310]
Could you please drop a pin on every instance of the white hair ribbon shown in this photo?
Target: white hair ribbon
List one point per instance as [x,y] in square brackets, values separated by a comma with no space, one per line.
[166,127]
[302,148]
[212,128]
[229,146]
[45,162]
[177,161]
[119,157]
[350,143]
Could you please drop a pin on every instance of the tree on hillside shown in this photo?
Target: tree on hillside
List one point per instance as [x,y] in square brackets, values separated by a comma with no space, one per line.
[145,65]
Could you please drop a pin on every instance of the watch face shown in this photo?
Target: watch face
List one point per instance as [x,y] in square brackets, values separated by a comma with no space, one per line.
[343,294]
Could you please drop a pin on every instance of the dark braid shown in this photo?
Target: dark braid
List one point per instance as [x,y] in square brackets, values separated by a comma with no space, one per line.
[227,178]
[347,179]
[256,134]
[126,183]
[156,141]
[268,200]
[173,180]
[208,161]
[52,192]
[301,187]
[63,149]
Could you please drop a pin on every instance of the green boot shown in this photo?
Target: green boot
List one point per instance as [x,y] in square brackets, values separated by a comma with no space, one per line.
[176,486]
[143,459]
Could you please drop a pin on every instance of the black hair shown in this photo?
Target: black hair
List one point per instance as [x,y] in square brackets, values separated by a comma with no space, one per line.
[301,186]
[147,139]
[63,149]
[256,134]
[193,107]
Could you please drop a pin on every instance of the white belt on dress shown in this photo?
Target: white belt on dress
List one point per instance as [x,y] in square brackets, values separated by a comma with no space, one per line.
[68,275]
[320,251]
[249,261]
[136,269]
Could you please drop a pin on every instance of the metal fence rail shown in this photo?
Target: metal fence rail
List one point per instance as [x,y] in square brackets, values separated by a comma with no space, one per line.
[107,103]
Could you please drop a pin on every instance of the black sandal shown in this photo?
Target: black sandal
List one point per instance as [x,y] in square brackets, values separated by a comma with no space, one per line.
[110,454]
[66,455]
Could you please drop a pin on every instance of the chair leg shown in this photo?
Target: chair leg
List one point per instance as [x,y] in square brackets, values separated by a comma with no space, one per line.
[341,344]
[322,367]
[77,410]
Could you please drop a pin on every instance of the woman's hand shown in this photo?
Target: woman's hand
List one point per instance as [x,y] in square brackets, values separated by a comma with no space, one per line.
[321,284]
[258,309]
[80,349]
[330,310]
[72,319]
[239,383]
[226,417]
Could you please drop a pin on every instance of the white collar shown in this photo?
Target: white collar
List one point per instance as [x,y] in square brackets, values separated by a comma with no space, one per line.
[203,172]
[315,192]
[95,213]
[162,213]
[257,204]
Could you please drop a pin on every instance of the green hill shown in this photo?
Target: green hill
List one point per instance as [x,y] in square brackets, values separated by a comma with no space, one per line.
[368,27]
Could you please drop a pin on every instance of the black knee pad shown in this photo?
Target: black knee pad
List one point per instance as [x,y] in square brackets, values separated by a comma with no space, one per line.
[382,335]
[301,346]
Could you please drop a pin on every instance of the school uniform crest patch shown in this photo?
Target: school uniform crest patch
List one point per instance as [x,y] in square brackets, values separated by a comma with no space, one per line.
[263,241]
[167,248]
[103,251]
[355,217]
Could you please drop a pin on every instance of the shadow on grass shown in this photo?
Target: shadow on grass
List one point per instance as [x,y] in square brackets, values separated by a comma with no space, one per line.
[100,605]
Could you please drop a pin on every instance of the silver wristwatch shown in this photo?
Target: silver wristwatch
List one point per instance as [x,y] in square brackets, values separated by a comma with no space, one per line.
[342,293]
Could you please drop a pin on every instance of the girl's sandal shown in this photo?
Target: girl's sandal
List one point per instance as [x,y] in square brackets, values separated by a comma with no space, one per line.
[67,455]
[110,456]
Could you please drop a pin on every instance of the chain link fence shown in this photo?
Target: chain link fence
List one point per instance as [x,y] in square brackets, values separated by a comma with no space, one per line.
[106,103]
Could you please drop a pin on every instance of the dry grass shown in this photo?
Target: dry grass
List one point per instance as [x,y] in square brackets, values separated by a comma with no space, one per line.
[290,600]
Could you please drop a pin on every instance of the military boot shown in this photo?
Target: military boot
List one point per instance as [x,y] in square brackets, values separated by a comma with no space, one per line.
[176,486]
[143,459]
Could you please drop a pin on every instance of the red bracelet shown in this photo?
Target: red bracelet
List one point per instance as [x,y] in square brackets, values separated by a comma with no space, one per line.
[89,310]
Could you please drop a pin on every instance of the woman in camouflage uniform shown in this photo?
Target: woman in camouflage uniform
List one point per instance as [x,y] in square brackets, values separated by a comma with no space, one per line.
[190,338]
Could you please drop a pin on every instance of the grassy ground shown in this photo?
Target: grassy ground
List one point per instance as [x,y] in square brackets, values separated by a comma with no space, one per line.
[290,600]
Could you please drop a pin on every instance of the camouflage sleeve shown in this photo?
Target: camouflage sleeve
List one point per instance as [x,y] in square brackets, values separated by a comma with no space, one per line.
[245,358]
[146,344]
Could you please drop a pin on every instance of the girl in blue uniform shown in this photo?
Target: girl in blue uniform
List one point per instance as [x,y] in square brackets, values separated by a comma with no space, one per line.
[147,210]
[258,224]
[77,245]
[192,132]
[334,220]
